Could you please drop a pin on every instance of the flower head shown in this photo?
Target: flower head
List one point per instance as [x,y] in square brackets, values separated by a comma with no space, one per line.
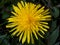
[28,18]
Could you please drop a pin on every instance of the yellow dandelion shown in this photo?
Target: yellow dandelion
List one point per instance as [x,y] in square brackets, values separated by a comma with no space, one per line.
[28,18]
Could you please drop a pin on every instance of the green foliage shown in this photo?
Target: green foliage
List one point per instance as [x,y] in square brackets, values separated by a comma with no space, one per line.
[57,43]
[4,40]
[55,12]
[51,37]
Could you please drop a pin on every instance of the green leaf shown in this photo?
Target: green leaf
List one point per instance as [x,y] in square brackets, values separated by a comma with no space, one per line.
[4,40]
[5,15]
[54,36]
[55,12]
[53,25]
[3,36]
[57,43]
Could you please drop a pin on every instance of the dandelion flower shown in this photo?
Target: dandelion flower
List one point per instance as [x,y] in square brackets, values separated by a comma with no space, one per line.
[28,19]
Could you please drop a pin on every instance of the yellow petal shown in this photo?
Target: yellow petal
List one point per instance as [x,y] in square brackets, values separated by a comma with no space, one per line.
[45,19]
[32,40]
[48,16]
[19,33]
[39,11]
[12,19]
[16,31]
[14,13]
[16,9]
[24,37]
[20,37]
[32,6]
[38,6]
[35,34]
[43,28]
[12,30]
[11,25]
[34,27]
[26,6]
[28,37]
[44,23]
[20,6]
[35,9]
[42,31]
[39,34]
[46,11]
[22,3]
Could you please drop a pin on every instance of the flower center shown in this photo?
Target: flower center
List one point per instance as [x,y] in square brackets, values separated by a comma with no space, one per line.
[30,19]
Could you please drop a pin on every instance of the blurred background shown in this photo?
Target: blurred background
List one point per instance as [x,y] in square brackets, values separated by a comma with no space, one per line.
[51,37]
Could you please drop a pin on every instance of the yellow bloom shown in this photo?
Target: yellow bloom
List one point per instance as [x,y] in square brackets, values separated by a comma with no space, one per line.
[28,18]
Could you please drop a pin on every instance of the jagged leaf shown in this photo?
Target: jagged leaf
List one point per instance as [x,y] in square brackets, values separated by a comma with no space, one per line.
[53,25]
[54,36]
[55,12]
